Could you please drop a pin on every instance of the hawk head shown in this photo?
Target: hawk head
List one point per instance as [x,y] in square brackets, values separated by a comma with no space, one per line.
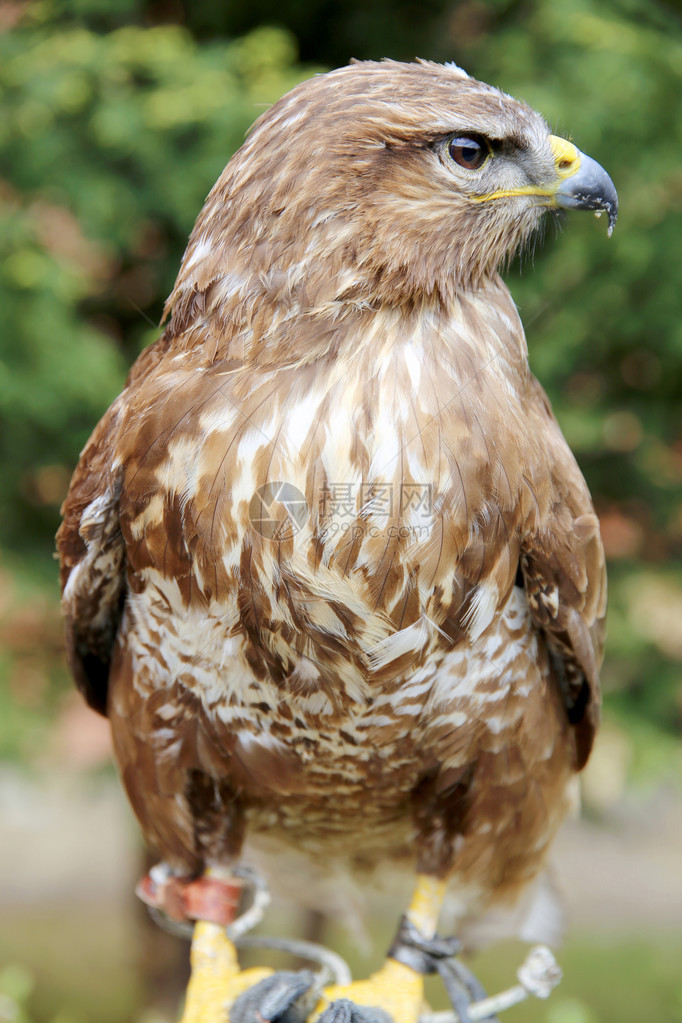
[384,181]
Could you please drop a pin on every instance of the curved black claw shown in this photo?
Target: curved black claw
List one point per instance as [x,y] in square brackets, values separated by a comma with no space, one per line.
[344,1011]
[286,997]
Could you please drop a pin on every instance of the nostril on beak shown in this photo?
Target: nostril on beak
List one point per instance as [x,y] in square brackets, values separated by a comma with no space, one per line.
[566,156]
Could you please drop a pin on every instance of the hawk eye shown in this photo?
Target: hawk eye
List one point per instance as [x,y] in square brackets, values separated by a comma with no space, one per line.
[468,151]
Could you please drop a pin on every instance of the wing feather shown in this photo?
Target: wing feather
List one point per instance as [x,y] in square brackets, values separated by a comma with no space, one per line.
[564,575]
[91,548]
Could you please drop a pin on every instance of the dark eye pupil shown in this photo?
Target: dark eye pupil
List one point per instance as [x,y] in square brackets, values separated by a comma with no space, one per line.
[468,152]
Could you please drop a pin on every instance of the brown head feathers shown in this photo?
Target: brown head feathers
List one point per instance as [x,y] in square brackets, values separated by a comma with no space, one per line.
[344,194]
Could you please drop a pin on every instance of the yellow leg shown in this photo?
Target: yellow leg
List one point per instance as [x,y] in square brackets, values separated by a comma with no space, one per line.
[424,909]
[216,979]
[397,988]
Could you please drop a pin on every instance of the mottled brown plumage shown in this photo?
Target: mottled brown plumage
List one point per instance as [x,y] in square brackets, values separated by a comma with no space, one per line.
[412,670]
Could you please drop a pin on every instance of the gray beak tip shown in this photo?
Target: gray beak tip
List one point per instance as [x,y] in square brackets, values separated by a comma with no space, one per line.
[590,188]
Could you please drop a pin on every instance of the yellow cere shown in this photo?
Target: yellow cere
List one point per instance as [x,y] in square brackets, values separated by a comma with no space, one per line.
[566,157]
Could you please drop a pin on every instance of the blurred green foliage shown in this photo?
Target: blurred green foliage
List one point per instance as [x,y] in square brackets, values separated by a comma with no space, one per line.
[116,116]
[110,143]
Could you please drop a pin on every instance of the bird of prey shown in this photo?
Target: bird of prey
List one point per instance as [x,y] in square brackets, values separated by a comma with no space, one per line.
[328,564]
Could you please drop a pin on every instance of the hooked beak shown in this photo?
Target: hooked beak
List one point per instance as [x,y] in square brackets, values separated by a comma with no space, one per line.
[583,183]
[579,183]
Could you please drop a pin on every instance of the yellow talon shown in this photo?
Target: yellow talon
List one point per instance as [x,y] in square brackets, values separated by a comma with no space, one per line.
[216,978]
[395,987]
